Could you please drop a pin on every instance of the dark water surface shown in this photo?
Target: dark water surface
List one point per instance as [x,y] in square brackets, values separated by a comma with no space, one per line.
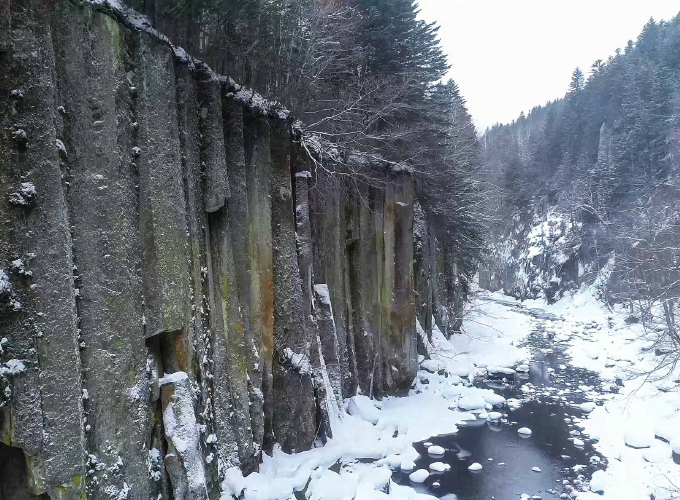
[549,408]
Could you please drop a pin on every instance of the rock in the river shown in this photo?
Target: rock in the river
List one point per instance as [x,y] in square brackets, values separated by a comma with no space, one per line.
[439,466]
[419,476]
[475,467]
[524,431]
[471,403]
[493,398]
[436,450]
[407,465]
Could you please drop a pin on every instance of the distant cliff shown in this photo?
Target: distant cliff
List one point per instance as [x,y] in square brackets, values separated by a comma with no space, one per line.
[180,287]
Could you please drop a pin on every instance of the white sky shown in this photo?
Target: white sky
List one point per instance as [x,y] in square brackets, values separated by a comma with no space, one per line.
[508,56]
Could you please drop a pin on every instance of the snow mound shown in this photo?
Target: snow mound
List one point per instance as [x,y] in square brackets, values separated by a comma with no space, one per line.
[524,431]
[419,476]
[587,407]
[363,408]
[439,466]
[436,450]
[432,365]
[598,481]
[639,436]
[475,467]
[493,399]
[500,370]
[471,403]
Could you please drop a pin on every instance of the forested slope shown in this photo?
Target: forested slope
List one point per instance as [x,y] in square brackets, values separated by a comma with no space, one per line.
[589,184]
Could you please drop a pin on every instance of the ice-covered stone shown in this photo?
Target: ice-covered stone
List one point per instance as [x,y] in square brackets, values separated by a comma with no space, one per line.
[493,398]
[436,450]
[439,466]
[419,476]
[475,467]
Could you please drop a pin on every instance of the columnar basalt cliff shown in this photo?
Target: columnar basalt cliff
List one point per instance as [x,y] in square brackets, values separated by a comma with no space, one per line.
[178,292]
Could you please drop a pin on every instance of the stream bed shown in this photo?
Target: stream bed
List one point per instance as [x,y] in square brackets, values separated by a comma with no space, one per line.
[550,463]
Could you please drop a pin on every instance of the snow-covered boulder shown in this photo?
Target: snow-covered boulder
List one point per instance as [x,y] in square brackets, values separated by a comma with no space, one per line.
[452,392]
[407,465]
[587,407]
[524,431]
[598,481]
[493,399]
[439,466]
[431,365]
[475,467]
[471,403]
[436,450]
[363,408]
[675,444]
[500,370]
[657,454]
[419,476]
[639,436]
[495,415]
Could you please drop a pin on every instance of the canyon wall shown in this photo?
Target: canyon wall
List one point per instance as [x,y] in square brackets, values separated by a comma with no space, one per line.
[181,286]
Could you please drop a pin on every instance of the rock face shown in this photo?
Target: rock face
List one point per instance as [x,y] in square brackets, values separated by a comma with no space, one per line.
[178,292]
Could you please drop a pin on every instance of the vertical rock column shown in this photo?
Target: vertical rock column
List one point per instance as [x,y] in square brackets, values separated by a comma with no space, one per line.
[258,169]
[161,195]
[294,422]
[38,309]
[199,333]
[230,358]
[326,347]
[238,217]
[399,342]
[423,268]
[96,142]
[163,231]
[329,244]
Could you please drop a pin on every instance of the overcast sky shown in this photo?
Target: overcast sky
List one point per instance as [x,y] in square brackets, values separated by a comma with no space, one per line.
[508,56]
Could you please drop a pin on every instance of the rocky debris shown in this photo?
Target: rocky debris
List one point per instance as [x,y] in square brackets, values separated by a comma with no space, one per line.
[183,459]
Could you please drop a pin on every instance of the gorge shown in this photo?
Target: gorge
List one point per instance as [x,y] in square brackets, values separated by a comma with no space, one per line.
[171,262]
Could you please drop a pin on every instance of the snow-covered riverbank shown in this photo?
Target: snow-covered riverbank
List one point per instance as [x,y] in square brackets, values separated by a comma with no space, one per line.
[374,438]
[646,410]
